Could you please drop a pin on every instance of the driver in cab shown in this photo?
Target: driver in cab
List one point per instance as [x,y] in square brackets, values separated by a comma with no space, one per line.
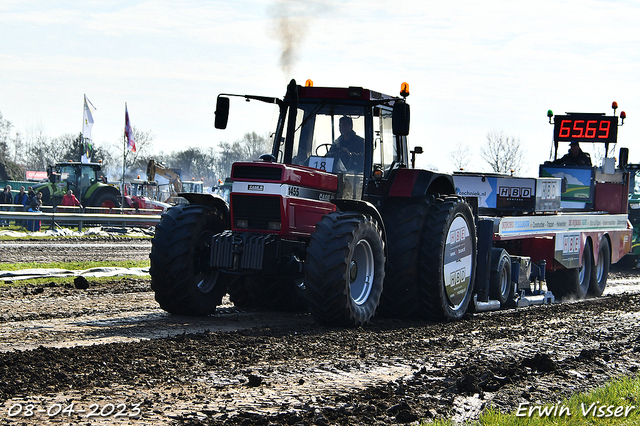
[349,147]
[575,156]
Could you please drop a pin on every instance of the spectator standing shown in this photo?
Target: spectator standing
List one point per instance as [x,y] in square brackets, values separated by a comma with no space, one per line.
[30,195]
[20,199]
[70,200]
[36,203]
[7,198]
[34,206]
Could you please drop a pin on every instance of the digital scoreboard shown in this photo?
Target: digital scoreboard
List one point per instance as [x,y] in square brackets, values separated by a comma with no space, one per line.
[585,128]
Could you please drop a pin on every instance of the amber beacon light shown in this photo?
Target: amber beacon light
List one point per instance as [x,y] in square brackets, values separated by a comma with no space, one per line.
[404,89]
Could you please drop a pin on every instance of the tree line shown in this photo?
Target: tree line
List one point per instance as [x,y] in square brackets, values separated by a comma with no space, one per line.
[34,150]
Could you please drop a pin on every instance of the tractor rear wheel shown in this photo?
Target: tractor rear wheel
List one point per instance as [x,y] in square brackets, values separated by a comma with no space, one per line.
[447,261]
[403,225]
[183,281]
[344,271]
[106,200]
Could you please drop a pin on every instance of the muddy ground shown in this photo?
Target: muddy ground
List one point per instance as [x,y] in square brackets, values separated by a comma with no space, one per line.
[110,351]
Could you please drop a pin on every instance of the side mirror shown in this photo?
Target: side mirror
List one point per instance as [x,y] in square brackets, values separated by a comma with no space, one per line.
[222,112]
[623,158]
[401,118]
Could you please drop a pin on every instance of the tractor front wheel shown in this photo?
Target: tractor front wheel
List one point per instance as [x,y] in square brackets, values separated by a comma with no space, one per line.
[344,271]
[183,281]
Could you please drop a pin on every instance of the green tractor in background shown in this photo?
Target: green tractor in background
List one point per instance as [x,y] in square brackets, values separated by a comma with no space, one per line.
[84,179]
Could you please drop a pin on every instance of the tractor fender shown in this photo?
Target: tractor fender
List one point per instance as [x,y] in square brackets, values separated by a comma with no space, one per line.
[210,200]
[417,183]
[90,192]
[366,208]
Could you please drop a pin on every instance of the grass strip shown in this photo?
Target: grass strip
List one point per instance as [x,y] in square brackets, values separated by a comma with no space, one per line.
[615,403]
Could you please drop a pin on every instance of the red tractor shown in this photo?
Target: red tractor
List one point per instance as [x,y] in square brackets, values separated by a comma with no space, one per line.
[332,220]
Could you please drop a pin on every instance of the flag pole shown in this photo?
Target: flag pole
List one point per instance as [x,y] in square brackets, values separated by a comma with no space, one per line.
[124,153]
[82,131]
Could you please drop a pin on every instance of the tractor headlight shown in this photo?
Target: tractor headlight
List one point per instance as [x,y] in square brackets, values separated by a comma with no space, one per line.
[274,226]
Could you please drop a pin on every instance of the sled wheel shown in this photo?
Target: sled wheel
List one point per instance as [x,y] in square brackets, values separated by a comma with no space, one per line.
[572,283]
[403,223]
[500,286]
[447,270]
[344,270]
[600,271]
[183,282]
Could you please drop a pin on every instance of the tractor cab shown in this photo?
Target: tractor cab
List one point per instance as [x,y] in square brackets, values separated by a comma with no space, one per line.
[74,176]
[348,132]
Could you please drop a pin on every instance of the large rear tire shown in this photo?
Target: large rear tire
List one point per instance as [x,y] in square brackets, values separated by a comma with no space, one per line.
[403,225]
[344,271]
[106,200]
[448,260]
[600,271]
[183,282]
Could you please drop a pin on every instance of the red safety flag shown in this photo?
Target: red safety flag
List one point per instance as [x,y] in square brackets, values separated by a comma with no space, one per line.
[128,132]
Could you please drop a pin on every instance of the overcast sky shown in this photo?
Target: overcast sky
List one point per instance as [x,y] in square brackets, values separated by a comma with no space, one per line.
[472,66]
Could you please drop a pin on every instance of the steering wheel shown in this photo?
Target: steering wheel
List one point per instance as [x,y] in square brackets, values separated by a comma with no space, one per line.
[326,146]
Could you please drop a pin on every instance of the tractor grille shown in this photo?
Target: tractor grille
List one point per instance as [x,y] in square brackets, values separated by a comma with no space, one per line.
[257,210]
[258,173]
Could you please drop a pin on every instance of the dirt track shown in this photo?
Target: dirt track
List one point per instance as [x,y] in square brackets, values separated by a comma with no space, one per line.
[111,344]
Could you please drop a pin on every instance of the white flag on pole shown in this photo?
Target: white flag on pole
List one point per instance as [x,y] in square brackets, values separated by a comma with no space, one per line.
[87,124]
[88,120]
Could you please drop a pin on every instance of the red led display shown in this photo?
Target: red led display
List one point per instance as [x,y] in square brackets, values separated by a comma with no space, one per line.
[585,128]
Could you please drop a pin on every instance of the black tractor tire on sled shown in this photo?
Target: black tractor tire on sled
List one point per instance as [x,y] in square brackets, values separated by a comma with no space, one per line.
[600,271]
[181,278]
[572,283]
[500,286]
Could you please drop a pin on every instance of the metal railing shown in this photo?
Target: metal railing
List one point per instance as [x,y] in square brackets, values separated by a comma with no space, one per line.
[92,215]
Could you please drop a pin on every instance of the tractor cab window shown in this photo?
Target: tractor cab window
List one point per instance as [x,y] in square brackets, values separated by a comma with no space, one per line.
[69,178]
[385,152]
[332,138]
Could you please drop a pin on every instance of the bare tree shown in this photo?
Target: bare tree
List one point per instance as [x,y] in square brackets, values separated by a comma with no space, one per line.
[250,147]
[598,153]
[504,153]
[5,138]
[460,156]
